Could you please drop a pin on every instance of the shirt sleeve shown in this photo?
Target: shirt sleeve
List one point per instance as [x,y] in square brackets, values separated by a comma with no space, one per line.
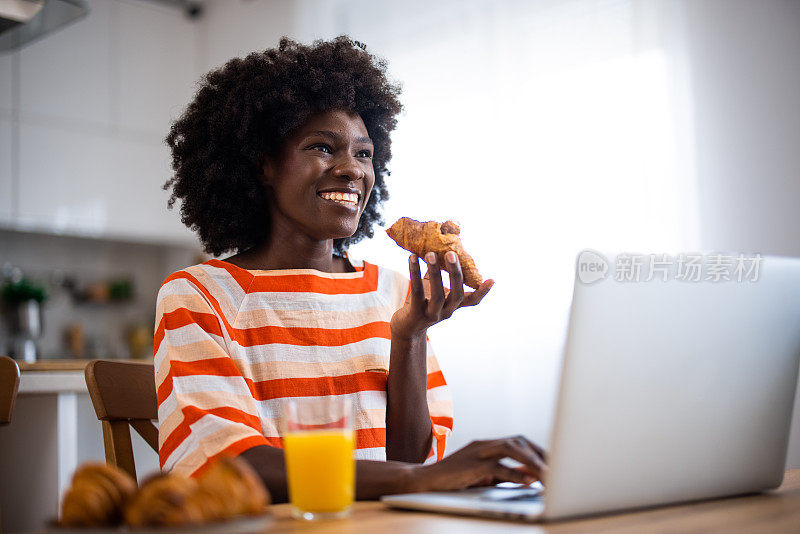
[440,402]
[205,406]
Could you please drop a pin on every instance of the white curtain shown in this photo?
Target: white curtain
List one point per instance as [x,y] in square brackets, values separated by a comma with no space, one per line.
[544,127]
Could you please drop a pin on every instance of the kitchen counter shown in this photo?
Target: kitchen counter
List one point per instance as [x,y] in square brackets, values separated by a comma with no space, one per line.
[64,364]
[51,382]
[53,376]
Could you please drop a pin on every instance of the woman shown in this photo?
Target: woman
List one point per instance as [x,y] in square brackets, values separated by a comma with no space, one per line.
[281,158]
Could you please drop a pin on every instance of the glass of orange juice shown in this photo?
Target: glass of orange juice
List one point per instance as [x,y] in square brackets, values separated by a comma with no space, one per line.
[318,442]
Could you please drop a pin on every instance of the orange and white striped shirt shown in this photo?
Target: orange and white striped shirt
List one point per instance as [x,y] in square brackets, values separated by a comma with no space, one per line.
[232,343]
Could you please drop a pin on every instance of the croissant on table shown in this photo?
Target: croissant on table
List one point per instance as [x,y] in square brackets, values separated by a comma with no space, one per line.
[422,237]
[164,499]
[97,497]
[229,488]
[103,495]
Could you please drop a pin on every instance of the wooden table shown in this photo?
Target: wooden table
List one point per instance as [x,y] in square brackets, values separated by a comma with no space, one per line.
[774,512]
[65,364]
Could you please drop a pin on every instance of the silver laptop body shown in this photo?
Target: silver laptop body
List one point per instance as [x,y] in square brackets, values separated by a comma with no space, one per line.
[671,390]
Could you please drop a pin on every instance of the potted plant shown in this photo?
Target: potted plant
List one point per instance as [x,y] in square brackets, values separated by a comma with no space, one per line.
[23,301]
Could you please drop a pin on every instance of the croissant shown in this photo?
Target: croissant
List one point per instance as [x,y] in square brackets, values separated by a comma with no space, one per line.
[102,495]
[164,500]
[229,488]
[422,237]
[97,497]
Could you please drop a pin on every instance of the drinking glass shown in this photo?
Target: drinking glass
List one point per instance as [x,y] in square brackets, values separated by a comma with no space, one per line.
[319,441]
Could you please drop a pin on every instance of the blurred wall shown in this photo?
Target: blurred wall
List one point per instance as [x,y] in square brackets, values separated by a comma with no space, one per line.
[737,129]
[745,69]
[745,61]
[236,28]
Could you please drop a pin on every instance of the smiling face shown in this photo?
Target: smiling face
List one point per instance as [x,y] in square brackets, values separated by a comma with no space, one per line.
[320,182]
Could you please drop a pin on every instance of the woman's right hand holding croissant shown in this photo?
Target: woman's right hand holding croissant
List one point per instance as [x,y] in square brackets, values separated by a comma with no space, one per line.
[429,302]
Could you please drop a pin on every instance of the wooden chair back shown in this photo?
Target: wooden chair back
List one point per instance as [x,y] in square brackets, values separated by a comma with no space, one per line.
[124,396]
[9,384]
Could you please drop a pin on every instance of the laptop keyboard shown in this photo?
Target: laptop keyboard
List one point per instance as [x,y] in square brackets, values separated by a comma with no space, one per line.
[499,494]
[527,497]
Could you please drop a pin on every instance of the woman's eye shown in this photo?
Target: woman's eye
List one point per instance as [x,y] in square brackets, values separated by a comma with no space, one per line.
[364,154]
[322,148]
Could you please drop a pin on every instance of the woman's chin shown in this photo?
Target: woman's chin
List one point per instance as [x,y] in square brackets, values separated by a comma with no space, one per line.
[342,232]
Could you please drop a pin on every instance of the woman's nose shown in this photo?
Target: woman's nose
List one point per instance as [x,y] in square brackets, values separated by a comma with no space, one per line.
[349,168]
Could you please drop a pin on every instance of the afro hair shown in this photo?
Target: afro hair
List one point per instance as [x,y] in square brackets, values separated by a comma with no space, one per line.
[241,115]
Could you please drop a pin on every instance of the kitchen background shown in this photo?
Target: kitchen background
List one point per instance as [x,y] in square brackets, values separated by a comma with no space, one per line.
[544,126]
[100,292]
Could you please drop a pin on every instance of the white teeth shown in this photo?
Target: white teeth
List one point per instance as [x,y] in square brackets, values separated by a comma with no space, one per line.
[344,198]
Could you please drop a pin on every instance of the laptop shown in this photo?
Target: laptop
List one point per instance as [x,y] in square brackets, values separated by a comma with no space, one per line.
[674,388]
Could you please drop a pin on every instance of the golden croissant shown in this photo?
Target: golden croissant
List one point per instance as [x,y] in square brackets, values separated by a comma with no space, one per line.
[164,500]
[102,495]
[97,497]
[229,488]
[422,237]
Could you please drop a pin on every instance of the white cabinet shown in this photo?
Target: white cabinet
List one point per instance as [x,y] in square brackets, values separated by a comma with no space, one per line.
[138,202]
[6,82]
[64,180]
[79,183]
[66,75]
[157,65]
[95,102]
[6,110]
[6,176]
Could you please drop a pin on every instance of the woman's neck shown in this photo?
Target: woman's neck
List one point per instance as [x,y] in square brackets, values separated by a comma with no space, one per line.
[290,247]
[277,254]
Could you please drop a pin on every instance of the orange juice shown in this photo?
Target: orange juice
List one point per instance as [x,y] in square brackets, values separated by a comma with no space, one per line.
[320,469]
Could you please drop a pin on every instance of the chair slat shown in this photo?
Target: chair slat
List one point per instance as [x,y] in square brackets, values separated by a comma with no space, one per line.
[118,445]
[9,384]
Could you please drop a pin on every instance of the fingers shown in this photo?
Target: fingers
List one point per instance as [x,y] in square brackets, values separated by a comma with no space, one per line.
[540,451]
[509,474]
[518,449]
[482,463]
[456,295]
[471,299]
[437,287]
[485,481]
[426,285]
[417,293]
